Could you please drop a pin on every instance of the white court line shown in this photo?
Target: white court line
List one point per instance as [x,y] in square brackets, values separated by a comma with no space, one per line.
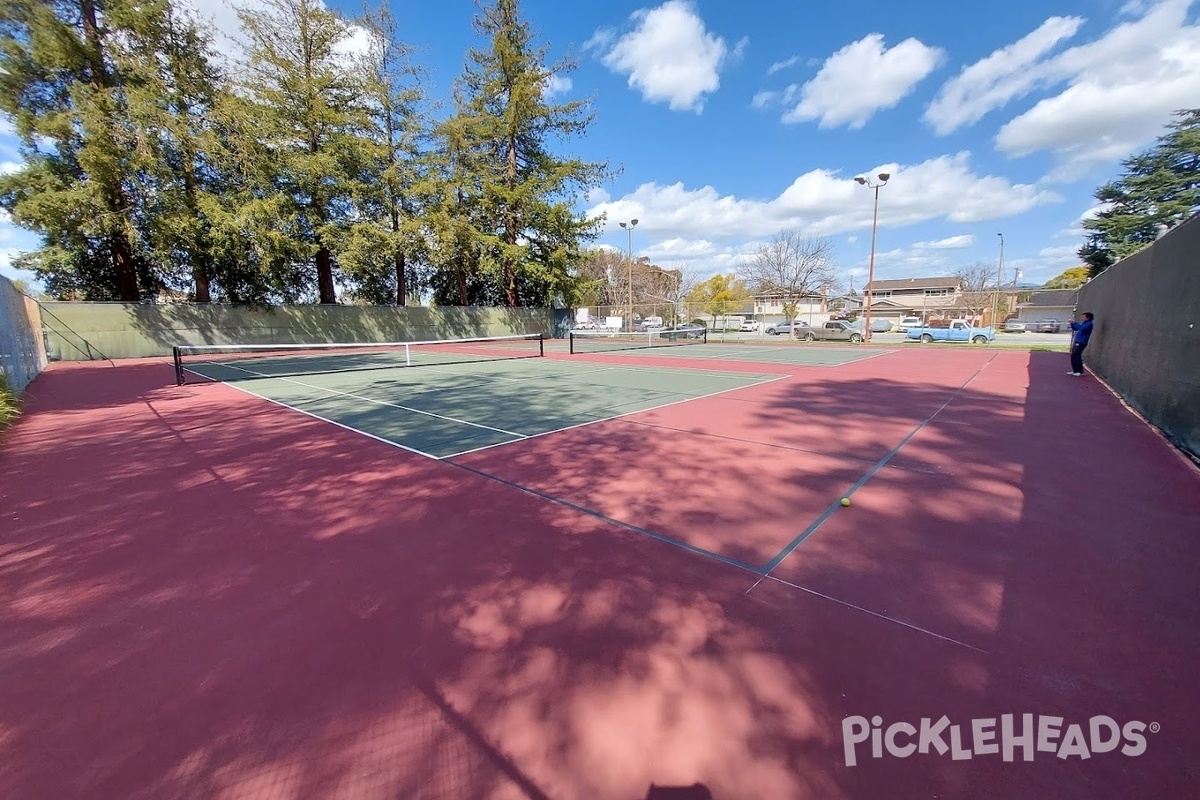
[787,447]
[511,380]
[876,614]
[732,351]
[325,419]
[620,416]
[380,402]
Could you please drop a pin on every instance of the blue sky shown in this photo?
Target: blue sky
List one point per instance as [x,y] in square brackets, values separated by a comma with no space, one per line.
[730,122]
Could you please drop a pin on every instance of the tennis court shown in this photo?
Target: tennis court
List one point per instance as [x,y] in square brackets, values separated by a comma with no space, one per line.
[497,569]
[463,396]
[659,344]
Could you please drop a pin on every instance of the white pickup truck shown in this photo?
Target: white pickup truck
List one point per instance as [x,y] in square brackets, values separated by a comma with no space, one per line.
[959,330]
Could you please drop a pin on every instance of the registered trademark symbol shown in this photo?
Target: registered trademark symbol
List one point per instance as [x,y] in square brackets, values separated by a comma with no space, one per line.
[1155,727]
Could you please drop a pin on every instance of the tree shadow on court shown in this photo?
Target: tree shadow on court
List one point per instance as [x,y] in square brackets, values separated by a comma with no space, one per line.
[240,600]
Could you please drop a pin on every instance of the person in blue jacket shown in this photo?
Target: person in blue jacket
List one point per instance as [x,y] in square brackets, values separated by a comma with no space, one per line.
[1082,333]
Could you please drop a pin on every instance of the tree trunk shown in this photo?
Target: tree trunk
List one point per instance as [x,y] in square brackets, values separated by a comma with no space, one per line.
[325,276]
[126,272]
[401,286]
[510,233]
[200,276]
[462,279]
[120,249]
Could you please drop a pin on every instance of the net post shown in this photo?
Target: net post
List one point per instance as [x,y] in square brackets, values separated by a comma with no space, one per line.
[176,357]
[704,335]
[407,354]
[541,344]
[571,339]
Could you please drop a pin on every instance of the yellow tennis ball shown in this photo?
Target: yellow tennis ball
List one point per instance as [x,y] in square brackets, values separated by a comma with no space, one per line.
[845,501]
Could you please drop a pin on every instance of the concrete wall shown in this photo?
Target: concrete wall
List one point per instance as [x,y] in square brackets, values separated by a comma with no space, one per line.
[22,355]
[1146,343]
[81,331]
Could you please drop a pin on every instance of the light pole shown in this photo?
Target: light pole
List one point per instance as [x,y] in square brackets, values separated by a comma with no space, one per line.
[629,229]
[883,179]
[999,280]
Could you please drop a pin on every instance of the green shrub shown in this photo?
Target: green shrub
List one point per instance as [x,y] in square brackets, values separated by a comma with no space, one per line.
[8,402]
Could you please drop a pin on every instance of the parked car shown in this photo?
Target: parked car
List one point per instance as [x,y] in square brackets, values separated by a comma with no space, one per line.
[749,326]
[836,331]
[787,328]
[959,330]
[1014,326]
[1047,326]
[908,322]
[881,325]
[690,330]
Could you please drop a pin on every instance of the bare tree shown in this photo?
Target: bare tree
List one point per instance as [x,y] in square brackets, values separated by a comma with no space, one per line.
[978,289]
[791,265]
[605,276]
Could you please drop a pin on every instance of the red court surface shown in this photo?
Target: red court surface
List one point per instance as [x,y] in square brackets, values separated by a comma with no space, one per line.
[206,595]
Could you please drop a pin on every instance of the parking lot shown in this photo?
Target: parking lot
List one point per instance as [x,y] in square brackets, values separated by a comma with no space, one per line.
[1019,339]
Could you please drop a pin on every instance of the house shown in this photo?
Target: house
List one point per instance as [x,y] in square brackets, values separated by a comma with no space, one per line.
[944,297]
[769,306]
[1056,304]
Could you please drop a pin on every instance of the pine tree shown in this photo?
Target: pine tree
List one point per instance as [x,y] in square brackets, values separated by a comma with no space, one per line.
[527,232]
[1159,188]
[60,82]
[171,97]
[308,113]
[379,254]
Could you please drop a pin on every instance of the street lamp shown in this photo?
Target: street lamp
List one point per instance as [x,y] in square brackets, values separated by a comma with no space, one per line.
[864,181]
[629,229]
[999,281]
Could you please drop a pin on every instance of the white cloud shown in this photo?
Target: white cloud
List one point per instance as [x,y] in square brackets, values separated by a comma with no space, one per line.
[863,78]
[952,243]
[9,167]
[739,49]
[780,65]
[1005,74]
[669,56]
[556,85]
[230,40]
[821,202]
[1118,91]
[764,99]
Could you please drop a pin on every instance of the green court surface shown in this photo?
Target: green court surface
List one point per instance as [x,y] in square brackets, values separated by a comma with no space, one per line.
[447,410]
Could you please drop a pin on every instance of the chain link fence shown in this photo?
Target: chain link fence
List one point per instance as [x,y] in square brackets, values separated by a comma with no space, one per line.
[22,350]
[720,318]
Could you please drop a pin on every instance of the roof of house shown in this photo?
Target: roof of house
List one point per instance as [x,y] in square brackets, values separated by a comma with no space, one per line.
[769,295]
[944,282]
[1052,298]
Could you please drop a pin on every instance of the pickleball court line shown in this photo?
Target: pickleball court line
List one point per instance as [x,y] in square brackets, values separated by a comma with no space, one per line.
[760,572]
[691,548]
[730,356]
[787,447]
[731,352]
[326,419]
[835,505]
[380,402]
[686,399]
[875,614]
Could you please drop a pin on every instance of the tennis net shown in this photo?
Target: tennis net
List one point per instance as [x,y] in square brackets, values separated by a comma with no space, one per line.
[609,341]
[239,362]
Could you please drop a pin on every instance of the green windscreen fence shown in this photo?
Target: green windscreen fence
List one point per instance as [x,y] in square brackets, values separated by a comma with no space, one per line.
[1146,343]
